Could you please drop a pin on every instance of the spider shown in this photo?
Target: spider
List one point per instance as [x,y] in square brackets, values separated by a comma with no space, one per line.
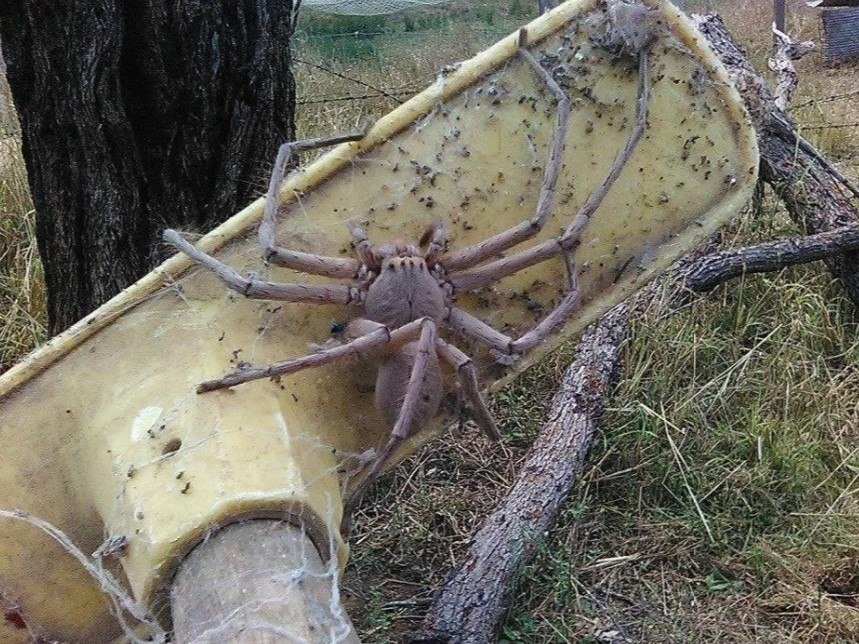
[406,291]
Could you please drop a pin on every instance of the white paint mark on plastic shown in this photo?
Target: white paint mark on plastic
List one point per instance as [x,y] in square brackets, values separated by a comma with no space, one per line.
[144,421]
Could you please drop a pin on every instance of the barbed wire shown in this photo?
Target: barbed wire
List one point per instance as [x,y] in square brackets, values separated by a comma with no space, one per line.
[827,99]
[313,100]
[395,94]
[500,29]
[351,79]
[828,126]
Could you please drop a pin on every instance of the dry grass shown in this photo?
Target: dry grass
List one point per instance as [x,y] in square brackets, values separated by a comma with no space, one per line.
[22,294]
[814,110]
[757,385]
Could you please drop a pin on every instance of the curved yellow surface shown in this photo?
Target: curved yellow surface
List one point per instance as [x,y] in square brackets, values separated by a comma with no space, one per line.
[101,431]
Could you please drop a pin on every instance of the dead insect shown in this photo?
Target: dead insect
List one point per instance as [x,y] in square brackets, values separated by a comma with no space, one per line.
[405,291]
[114,546]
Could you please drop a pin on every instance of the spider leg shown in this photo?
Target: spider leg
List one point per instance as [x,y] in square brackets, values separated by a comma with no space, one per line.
[474,328]
[574,230]
[363,246]
[258,289]
[304,262]
[405,420]
[468,378]
[379,337]
[472,255]
[483,275]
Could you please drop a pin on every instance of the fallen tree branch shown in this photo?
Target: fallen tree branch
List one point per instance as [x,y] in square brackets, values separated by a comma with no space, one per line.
[817,195]
[472,601]
[707,272]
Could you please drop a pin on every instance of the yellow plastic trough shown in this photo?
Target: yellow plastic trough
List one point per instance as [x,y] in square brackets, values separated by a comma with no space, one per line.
[101,431]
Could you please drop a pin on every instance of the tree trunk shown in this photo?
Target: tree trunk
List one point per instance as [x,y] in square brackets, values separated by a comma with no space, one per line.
[136,115]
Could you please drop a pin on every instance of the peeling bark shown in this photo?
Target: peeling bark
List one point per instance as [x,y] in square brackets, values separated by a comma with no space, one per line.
[781,62]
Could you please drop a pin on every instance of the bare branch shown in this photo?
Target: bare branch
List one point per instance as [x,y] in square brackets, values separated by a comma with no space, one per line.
[470,605]
[704,274]
[781,62]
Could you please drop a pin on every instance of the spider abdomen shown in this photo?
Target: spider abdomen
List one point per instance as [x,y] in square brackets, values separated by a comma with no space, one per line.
[392,381]
[404,291]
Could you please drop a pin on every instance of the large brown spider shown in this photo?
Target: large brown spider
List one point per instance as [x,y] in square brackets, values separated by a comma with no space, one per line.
[406,291]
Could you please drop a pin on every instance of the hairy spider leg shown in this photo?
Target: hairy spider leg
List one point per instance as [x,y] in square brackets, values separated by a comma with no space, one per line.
[473,328]
[302,262]
[434,238]
[484,275]
[339,267]
[595,199]
[258,289]
[467,374]
[405,419]
[363,246]
[481,251]
[380,336]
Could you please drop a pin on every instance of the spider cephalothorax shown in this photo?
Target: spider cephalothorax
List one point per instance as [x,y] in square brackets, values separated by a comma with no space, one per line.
[406,292]
[404,287]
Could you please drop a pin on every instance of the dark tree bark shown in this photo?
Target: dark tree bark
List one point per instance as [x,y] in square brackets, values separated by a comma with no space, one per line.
[137,115]
[706,273]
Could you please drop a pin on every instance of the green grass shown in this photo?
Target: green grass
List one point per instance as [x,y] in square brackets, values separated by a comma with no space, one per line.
[719,502]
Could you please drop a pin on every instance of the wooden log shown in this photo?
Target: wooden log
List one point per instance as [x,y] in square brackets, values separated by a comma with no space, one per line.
[471,603]
[258,582]
[705,273]
[817,195]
